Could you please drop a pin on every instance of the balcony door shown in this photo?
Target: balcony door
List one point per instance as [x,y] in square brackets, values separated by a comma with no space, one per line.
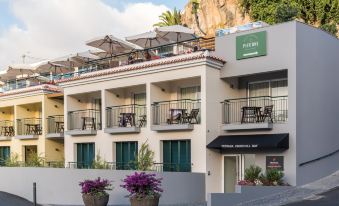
[177,155]
[5,153]
[190,93]
[85,155]
[125,155]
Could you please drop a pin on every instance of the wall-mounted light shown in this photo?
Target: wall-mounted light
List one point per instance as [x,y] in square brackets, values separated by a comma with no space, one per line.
[27,110]
[162,89]
[78,100]
[117,95]
[56,106]
[56,149]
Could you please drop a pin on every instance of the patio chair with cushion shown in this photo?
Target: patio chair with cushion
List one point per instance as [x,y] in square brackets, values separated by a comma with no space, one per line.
[175,119]
[267,113]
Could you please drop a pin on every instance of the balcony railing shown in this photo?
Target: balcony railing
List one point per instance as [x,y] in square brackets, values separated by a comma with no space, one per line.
[126,116]
[7,128]
[89,119]
[55,124]
[255,110]
[29,126]
[183,111]
[158,167]
[134,57]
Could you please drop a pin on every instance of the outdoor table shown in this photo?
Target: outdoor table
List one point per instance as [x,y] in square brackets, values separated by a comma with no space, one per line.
[92,123]
[32,129]
[7,131]
[127,117]
[175,112]
[250,112]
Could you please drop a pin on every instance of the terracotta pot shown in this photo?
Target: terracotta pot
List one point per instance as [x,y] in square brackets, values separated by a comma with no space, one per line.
[92,200]
[144,201]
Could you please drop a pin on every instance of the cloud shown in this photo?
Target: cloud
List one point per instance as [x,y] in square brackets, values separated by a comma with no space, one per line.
[53,28]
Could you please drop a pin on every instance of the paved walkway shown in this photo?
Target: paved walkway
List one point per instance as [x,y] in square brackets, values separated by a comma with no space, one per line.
[330,198]
[298,193]
[7,199]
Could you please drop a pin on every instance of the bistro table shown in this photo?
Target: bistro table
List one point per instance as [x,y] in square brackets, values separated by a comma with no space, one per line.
[88,121]
[33,129]
[7,131]
[59,126]
[251,112]
[125,118]
[176,115]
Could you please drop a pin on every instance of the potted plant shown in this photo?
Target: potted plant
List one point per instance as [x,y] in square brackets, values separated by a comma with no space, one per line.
[94,192]
[144,189]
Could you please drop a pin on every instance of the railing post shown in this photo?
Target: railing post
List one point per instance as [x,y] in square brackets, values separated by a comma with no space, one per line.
[34,193]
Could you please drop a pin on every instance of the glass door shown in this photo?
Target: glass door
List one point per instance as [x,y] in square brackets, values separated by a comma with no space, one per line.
[177,156]
[5,153]
[126,154]
[85,155]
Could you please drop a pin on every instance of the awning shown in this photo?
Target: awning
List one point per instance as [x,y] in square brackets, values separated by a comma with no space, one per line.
[251,143]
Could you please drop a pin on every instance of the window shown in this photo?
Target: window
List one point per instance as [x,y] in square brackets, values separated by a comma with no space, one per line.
[85,155]
[177,156]
[4,154]
[139,99]
[190,92]
[272,88]
[126,154]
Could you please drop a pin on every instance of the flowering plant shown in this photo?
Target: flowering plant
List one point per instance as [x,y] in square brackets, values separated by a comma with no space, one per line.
[141,185]
[97,187]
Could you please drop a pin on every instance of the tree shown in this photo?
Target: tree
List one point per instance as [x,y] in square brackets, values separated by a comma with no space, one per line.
[330,28]
[285,12]
[195,9]
[145,158]
[169,18]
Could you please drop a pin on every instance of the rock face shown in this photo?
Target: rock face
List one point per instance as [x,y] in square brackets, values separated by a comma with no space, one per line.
[212,15]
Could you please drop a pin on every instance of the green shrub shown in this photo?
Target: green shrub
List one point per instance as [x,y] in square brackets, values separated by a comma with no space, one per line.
[12,161]
[252,173]
[35,160]
[99,163]
[145,158]
[272,177]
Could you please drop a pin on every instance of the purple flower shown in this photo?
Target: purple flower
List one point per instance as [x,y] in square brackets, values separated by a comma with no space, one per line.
[141,185]
[96,187]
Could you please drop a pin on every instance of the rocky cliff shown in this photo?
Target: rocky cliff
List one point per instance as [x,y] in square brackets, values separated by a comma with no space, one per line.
[213,14]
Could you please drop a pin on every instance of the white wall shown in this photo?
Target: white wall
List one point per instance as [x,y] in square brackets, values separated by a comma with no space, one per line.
[61,186]
[317,102]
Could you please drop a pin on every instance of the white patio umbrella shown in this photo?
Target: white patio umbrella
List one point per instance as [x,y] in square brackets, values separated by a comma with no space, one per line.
[112,45]
[175,33]
[16,71]
[148,40]
[47,66]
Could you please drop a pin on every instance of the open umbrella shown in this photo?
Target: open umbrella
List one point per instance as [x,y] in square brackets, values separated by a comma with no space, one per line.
[47,66]
[112,45]
[16,71]
[148,40]
[175,33]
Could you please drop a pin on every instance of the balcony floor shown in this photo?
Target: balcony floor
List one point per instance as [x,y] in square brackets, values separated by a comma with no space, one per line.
[55,136]
[122,130]
[172,127]
[248,126]
[5,138]
[79,132]
[26,137]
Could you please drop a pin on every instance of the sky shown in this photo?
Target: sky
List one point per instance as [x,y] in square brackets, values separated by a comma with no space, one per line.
[47,29]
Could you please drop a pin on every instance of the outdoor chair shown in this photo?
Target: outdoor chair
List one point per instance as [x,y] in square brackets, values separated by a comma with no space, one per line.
[193,116]
[142,120]
[88,122]
[267,113]
[175,119]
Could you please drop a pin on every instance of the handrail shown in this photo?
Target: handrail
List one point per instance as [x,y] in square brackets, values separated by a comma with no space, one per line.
[246,98]
[176,100]
[82,110]
[52,116]
[126,105]
[319,158]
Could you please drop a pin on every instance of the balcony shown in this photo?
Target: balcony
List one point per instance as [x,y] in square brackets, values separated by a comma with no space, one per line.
[55,127]
[28,128]
[6,130]
[84,122]
[175,115]
[125,119]
[254,113]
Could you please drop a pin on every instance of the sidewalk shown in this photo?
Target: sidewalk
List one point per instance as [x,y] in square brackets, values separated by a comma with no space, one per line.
[297,193]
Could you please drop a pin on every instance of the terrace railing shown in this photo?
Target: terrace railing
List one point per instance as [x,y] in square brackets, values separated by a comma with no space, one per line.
[55,124]
[84,119]
[7,128]
[182,111]
[255,110]
[126,116]
[29,126]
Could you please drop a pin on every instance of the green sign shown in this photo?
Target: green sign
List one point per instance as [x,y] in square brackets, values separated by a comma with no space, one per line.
[251,45]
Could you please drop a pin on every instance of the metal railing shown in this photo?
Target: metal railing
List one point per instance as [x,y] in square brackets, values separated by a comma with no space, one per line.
[7,128]
[182,111]
[55,124]
[158,167]
[255,110]
[126,116]
[29,126]
[84,119]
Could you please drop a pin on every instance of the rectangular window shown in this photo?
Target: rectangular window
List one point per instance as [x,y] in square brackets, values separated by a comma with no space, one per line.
[177,155]
[139,99]
[5,153]
[85,155]
[272,88]
[125,155]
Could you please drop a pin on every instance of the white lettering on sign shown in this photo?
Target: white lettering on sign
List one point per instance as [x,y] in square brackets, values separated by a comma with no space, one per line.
[250,45]
[240,146]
